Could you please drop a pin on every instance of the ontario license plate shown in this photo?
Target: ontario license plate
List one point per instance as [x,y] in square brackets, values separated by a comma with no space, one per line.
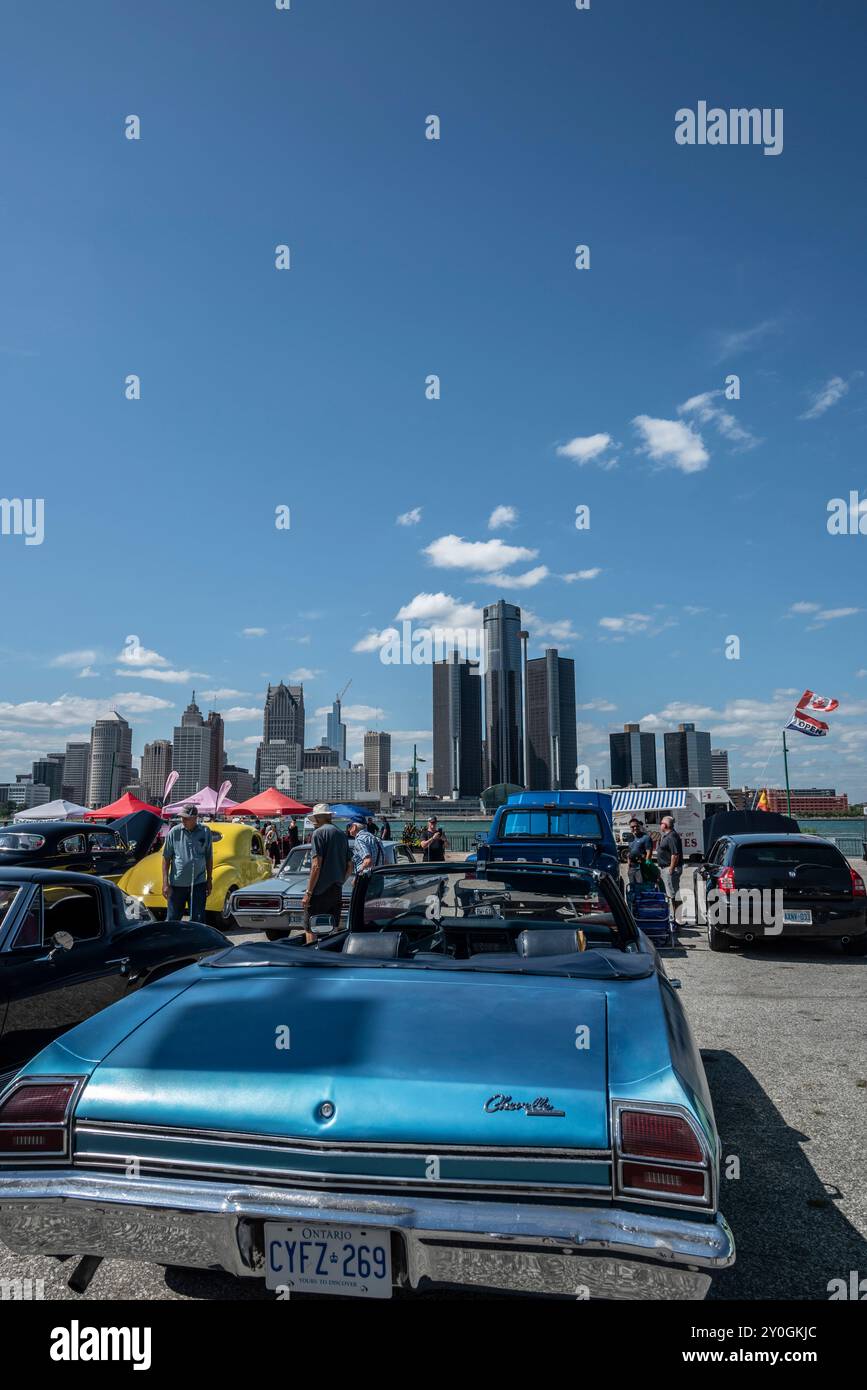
[797,916]
[350,1260]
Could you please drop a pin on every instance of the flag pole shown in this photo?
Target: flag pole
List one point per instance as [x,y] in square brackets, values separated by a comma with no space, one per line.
[786,766]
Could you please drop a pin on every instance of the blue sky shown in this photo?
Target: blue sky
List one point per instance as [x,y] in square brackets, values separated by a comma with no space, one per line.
[409,257]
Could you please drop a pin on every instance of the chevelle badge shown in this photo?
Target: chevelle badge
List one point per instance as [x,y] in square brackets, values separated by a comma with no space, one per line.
[540,1106]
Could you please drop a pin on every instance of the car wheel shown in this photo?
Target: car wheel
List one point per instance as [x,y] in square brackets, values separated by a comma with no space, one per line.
[717,940]
[223,920]
[855,946]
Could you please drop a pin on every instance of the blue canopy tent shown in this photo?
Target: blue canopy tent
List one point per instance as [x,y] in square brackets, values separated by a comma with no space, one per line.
[346,811]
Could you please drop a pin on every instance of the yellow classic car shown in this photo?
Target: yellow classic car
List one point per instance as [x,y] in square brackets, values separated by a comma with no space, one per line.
[239,859]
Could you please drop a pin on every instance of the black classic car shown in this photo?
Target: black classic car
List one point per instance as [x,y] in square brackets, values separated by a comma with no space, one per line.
[82,847]
[70,944]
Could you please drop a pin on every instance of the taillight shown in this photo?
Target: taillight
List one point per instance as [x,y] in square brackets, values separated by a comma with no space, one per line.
[726,881]
[858,889]
[650,1134]
[33,1118]
[660,1154]
[667,1182]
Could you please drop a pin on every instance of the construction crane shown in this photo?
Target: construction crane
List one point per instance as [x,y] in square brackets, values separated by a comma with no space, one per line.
[339,698]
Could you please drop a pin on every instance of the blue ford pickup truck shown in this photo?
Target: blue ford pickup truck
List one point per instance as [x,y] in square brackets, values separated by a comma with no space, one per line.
[573,828]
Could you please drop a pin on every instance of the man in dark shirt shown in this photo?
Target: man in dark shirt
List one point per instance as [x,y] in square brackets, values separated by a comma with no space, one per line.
[330,863]
[433,842]
[669,857]
[640,846]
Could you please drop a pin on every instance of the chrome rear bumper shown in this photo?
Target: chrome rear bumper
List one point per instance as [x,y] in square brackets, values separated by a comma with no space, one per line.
[586,1252]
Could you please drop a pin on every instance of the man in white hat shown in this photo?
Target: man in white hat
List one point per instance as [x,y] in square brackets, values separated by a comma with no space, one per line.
[330,864]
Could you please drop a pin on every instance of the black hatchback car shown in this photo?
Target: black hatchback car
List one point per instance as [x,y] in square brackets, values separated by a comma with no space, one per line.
[783,886]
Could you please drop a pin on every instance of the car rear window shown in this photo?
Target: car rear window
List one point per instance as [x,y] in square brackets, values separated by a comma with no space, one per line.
[566,825]
[21,842]
[757,856]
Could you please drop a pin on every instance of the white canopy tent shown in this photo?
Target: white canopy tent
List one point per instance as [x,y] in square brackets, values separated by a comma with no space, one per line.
[52,810]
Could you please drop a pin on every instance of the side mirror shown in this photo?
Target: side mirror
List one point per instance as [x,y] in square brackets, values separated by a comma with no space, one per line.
[63,941]
[322,924]
[676,984]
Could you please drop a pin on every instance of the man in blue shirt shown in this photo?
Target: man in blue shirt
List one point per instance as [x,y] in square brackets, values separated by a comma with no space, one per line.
[640,847]
[188,865]
[367,850]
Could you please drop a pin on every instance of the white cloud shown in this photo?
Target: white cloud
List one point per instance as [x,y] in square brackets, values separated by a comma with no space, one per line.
[254,631]
[827,615]
[69,710]
[585,448]
[708,413]
[502,516]
[744,340]
[86,673]
[581,574]
[828,395]
[85,657]
[604,705]
[528,580]
[453,552]
[410,518]
[304,673]
[169,677]
[805,607]
[672,443]
[629,623]
[136,656]
[440,610]
[225,693]
[238,713]
[374,640]
[548,629]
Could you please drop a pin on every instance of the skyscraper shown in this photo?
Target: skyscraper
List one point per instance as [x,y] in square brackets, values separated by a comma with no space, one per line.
[335,731]
[377,760]
[191,752]
[552,736]
[633,758]
[49,771]
[217,758]
[503,694]
[76,768]
[110,759]
[719,763]
[687,758]
[457,727]
[280,755]
[156,764]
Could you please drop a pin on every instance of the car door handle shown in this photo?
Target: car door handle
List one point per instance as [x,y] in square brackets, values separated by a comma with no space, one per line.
[123,962]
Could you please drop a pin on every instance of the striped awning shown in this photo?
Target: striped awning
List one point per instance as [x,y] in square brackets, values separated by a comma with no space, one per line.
[649,799]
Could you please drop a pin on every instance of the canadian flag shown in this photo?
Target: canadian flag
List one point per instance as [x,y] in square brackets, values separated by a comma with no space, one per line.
[811,703]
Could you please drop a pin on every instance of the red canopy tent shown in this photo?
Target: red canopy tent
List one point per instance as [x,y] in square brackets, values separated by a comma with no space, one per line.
[270,803]
[124,806]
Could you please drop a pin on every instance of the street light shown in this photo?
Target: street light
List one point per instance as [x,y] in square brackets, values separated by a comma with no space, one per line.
[415,759]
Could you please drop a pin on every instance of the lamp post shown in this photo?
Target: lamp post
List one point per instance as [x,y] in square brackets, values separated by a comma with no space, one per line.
[523,638]
[415,759]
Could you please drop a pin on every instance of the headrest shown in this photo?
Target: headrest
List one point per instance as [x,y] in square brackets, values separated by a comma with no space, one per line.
[553,941]
[377,945]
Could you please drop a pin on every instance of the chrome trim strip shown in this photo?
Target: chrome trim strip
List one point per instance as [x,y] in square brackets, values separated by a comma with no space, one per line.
[365,1182]
[125,1128]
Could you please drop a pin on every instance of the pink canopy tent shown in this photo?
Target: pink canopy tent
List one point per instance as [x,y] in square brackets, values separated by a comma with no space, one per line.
[270,803]
[206,800]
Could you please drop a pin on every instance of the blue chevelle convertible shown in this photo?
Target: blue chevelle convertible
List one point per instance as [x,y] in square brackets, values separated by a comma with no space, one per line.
[486,1081]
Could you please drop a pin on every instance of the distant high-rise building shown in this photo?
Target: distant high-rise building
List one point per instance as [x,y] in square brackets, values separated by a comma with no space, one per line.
[320,756]
[503,687]
[687,758]
[217,756]
[241,779]
[400,783]
[552,734]
[377,760]
[110,759]
[633,758]
[191,752]
[333,784]
[76,767]
[282,765]
[457,727]
[49,771]
[335,731]
[719,761]
[156,764]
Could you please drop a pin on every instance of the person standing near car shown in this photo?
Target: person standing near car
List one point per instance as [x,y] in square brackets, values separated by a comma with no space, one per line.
[188,867]
[330,863]
[638,849]
[669,857]
[433,842]
[367,851]
[385,829]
